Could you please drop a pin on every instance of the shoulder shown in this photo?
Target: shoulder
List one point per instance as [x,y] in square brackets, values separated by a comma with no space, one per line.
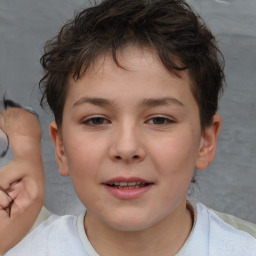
[237,223]
[213,236]
[58,235]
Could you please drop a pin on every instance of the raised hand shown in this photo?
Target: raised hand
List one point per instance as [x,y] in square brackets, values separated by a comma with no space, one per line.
[21,180]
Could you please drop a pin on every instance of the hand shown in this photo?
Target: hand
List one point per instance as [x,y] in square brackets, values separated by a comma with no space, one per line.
[21,181]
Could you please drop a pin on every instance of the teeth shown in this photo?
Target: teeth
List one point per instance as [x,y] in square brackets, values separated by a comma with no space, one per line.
[122,183]
[127,185]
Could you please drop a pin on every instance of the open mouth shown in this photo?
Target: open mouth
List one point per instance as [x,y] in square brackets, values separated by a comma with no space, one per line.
[128,188]
[128,185]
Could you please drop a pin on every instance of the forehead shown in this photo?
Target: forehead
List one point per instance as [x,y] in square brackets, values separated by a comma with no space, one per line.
[136,69]
[129,58]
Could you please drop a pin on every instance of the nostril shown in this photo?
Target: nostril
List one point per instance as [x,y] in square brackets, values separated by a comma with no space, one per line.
[133,157]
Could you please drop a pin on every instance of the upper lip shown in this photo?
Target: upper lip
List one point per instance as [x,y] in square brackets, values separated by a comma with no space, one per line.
[127,180]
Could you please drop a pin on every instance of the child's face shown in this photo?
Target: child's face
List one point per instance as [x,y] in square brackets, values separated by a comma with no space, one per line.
[139,125]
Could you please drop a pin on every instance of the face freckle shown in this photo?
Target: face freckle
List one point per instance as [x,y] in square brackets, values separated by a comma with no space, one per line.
[130,140]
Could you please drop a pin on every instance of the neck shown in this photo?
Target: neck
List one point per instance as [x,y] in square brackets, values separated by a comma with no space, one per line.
[164,238]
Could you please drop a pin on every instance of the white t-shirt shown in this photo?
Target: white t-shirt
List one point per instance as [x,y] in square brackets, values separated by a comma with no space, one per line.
[65,236]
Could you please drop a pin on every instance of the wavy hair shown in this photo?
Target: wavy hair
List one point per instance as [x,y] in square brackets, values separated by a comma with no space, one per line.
[170,27]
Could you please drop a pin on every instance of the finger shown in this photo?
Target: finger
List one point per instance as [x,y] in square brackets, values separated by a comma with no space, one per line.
[19,121]
[16,189]
[4,218]
[23,195]
[12,187]
[9,208]
[12,104]
[5,199]
[21,132]
[11,173]
[4,143]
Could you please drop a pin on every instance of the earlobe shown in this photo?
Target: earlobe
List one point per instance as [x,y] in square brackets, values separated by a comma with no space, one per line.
[208,144]
[59,149]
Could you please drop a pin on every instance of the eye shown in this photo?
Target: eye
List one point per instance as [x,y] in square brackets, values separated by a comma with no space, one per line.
[159,120]
[95,121]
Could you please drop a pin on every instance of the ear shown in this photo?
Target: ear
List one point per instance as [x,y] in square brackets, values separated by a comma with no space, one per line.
[59,149]
[208,144]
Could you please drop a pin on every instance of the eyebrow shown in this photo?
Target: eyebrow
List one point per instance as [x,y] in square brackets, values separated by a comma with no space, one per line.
[154,102]
[95,101]
[151,102]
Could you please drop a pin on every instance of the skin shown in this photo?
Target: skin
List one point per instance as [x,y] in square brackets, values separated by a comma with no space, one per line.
[141,122]
[25,172]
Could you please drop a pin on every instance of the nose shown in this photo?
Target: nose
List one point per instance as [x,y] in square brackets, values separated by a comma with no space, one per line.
[127,144]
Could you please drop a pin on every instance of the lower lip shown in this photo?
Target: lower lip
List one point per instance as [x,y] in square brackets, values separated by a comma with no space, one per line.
[127,193]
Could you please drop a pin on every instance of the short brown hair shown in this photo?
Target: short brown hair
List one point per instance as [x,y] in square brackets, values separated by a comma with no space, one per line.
[170,27]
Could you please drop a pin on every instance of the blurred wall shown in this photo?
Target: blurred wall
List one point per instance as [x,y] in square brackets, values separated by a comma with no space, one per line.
[229,184]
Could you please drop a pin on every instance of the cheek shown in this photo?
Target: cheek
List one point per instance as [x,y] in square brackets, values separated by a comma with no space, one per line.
[83,154]
[83,164]
[175,154]
[174,162]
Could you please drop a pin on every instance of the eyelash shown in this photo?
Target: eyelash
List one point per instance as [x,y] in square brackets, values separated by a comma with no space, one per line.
[163,120]
[99,121]
[91,121]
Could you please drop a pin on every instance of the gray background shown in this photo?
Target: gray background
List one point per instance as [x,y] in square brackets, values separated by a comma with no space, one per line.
[229,184]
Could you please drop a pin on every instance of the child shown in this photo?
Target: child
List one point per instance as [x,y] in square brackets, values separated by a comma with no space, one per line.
[134,88]
[21,180]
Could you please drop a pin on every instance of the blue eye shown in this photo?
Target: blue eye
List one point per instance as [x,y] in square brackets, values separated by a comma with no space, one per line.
[96,121]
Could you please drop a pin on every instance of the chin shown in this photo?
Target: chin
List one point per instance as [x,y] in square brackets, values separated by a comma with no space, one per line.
[130,227]
[130,223]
